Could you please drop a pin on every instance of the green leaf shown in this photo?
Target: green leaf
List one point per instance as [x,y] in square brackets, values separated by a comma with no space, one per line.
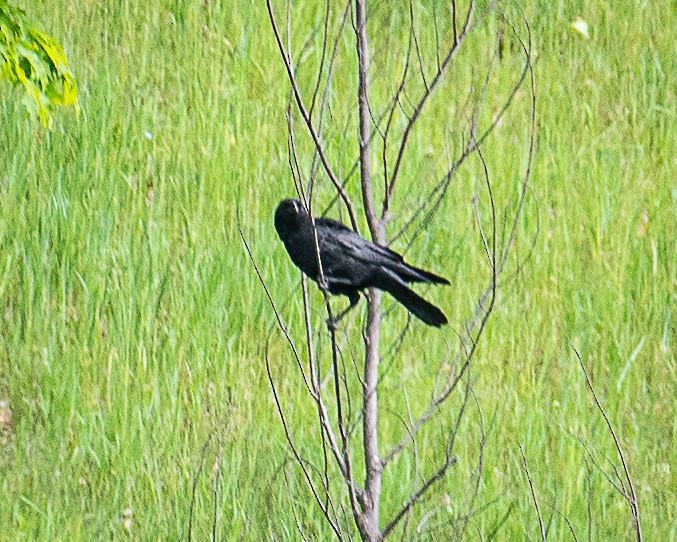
[36,61]
[52,50]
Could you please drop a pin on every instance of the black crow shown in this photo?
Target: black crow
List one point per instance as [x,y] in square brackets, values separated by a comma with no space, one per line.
[350,263]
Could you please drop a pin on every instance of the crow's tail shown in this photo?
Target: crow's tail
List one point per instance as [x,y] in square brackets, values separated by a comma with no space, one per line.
[414,303]
[409,273]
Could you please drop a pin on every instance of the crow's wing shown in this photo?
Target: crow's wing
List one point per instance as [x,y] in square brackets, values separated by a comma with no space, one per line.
[355,245]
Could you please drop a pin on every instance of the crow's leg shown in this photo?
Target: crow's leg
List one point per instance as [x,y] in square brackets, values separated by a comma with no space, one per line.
[354,298]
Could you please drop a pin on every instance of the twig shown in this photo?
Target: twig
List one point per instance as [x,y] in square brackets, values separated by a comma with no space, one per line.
[299,527]
[375,227]
[315,380]
[480,464]
[491,291]
[418,494]
[277,314]
[424,98]
[295,452]
[217,479]
[567,521]
[345,460]
[203,453]
[418,51]
[309,124]
[629,494]
[501,522]
[394,102]
[437,37]
[432,201]
[323,102]
[324,417]
[533,494]
[324,52]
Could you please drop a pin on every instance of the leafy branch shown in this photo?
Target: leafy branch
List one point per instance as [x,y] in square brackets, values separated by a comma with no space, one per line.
[35,60]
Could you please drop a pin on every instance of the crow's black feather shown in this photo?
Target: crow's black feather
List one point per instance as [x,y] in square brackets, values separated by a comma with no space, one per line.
[350,263]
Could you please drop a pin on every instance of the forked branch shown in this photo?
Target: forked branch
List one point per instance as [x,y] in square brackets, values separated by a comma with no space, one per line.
[308,121]
[458,40]
[336,430]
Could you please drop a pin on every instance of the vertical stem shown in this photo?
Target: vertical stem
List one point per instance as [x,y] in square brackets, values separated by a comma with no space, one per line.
[375,226]
[373,466]
[372,460]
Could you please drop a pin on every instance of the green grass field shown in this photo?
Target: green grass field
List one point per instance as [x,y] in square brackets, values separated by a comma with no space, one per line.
[133,327]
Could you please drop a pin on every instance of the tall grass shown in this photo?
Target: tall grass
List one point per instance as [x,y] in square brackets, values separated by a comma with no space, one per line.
[133,326]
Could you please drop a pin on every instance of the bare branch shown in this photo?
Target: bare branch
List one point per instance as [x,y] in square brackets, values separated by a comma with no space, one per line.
[630,495]
[350,480]
[567,521]
[309,124]
[299,527]
[437,37]
[442,397]
[418,494]
[533,493]
[490,293]
[480,465]
[501,522]
[323,102]
[449,461]
[355,494]
[293,158]
[421,69]
[432,201]
[394,102]
[277,314]
[324,52]
[292,446]
[364,502]
[526,48]
[191,509]
[422,101]
[323,418]
[341,457]
[615,484]
[369,520]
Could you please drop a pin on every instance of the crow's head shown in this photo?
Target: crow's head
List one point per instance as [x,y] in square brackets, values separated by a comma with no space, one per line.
[289,216]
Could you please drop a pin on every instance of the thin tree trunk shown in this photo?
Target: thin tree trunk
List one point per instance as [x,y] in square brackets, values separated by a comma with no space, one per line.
[372,460]
[373,466]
